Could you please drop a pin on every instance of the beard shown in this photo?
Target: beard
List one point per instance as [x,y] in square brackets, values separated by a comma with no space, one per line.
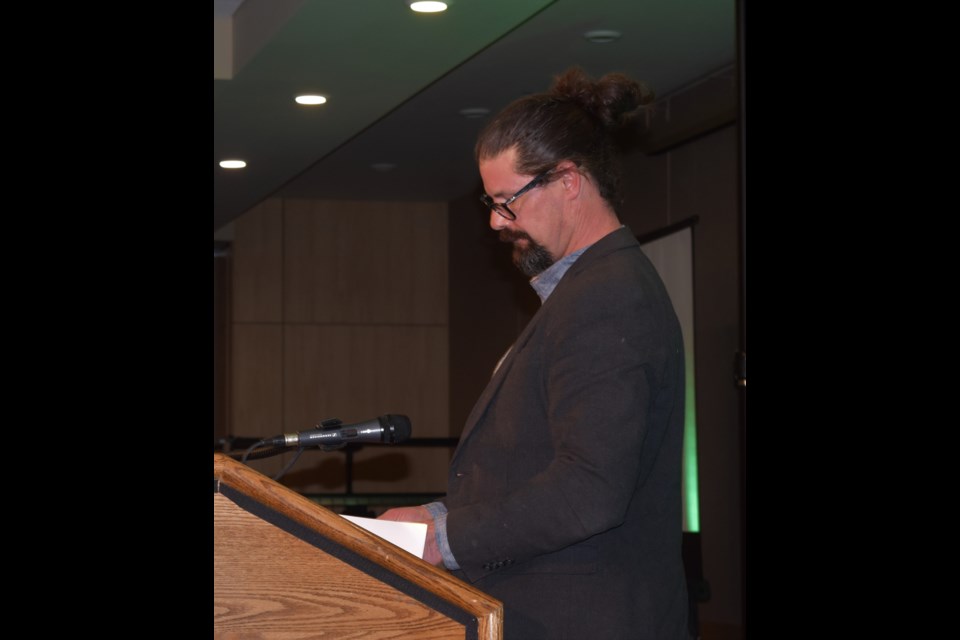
[532,260]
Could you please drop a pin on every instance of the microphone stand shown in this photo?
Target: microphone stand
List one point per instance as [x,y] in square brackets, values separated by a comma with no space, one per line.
[252,452]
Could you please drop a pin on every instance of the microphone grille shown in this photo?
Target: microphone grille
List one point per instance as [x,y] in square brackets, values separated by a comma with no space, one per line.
[398,427]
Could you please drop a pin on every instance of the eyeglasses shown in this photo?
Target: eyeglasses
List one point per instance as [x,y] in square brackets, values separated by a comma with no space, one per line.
[503,208]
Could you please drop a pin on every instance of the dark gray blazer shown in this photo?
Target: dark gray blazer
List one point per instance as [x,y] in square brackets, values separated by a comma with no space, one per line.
[564,492]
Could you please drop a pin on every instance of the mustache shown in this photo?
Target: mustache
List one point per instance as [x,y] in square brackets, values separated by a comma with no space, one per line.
[507,235]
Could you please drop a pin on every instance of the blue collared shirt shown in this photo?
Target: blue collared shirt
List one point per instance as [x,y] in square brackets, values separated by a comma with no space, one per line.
[545,282]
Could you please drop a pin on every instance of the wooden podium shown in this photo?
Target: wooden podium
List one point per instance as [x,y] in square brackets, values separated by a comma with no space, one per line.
[285,567]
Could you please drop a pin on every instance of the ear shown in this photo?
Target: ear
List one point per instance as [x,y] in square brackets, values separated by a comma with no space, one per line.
[571,179]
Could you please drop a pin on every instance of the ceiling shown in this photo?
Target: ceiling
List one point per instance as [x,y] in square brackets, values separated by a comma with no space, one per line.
[396,82]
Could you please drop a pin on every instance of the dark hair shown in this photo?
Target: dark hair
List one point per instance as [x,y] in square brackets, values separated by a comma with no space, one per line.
[575,120]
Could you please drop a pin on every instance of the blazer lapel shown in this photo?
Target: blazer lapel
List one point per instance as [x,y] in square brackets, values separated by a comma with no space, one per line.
[615,240]
[490,391]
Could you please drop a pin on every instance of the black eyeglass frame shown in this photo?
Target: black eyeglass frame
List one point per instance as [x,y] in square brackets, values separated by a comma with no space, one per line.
[503,208]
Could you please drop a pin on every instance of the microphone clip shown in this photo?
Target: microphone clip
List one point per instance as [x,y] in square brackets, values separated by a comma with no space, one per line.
[329,423]
[324,425]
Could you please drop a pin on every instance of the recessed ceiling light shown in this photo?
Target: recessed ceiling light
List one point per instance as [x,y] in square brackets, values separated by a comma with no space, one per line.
[602,35]
[233,164]
[474,112]
[311,99]
[427,7]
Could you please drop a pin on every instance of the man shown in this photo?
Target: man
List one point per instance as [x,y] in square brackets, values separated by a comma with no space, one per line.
[563,495]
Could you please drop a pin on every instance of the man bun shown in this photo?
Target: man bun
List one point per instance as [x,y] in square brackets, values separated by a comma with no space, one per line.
[614,99]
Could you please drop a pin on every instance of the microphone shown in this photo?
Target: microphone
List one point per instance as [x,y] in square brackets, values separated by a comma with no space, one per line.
[388,429]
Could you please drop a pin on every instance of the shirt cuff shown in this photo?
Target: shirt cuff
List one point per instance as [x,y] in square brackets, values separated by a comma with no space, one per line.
[439,512]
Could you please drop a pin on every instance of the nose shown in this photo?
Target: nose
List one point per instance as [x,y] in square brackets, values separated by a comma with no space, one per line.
[497,221]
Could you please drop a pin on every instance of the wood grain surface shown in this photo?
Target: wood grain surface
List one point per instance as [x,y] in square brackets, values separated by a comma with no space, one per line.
[270,584]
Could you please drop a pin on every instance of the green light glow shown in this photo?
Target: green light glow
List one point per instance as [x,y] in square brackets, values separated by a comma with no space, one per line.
[672,255]
[691,495]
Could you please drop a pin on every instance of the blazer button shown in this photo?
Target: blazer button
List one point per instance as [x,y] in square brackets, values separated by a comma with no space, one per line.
[460,475]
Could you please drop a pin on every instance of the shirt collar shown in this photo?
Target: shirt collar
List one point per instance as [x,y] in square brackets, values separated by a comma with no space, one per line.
[545,282]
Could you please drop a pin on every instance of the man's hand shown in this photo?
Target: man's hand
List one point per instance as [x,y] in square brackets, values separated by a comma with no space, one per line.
[431,553]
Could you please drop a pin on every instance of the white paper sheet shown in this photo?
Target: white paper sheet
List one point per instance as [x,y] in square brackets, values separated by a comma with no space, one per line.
[409,536]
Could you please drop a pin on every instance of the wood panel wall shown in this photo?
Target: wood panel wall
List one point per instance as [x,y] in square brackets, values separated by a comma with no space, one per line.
[340,310]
